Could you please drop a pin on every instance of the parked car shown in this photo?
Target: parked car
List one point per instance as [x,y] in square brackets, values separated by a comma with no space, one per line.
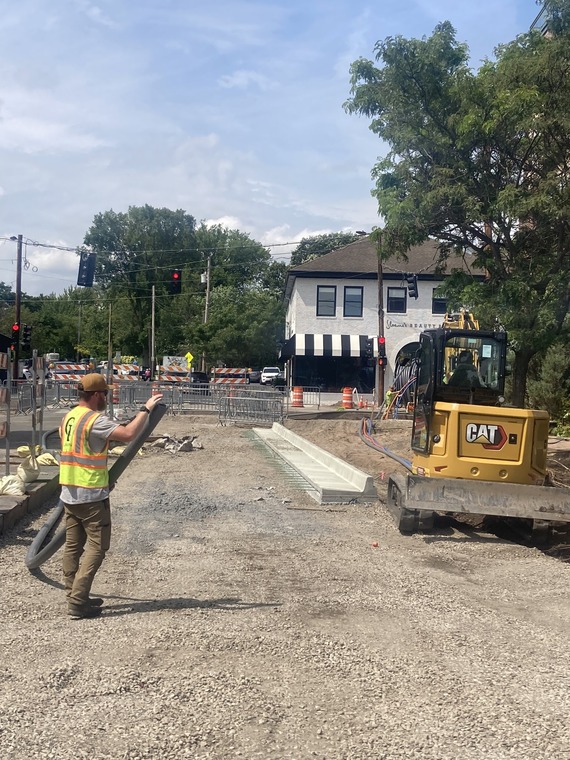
[202,380]
[268,374]
[254,375]
[198,377]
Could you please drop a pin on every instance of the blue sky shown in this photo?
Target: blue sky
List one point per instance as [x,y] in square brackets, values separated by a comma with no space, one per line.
[228,109]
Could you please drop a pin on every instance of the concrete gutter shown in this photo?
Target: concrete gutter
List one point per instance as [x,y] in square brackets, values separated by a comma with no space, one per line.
[332,479]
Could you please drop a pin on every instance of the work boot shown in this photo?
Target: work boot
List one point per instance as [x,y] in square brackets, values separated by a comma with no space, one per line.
[93,601]
[80,611]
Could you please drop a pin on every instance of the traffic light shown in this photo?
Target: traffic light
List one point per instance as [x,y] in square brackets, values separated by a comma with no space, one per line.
[369,348]
[86,269]
[412,280]
[382,361]
[26,336]
[176,281]
[381,346]
[16,333]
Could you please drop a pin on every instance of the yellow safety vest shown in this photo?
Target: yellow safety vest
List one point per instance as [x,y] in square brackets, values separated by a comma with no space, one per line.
[79,465]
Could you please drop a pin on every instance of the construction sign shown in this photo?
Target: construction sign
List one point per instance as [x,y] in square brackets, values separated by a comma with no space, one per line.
[173,369]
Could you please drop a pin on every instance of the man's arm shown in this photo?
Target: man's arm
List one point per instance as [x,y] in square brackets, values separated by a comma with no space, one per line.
[126,433]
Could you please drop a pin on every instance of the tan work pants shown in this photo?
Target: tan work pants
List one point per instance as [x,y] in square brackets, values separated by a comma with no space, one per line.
[84,524]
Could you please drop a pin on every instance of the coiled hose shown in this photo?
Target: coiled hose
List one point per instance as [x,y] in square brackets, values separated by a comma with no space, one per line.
[365,432]
[37,553]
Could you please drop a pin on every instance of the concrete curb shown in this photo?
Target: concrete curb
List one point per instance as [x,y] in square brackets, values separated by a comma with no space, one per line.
[333,480]
[13,508]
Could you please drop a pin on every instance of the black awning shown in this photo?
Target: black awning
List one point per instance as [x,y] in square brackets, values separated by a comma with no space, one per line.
[311,344]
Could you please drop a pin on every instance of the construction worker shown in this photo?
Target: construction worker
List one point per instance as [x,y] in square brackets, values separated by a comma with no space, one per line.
[84,477]
[466,374]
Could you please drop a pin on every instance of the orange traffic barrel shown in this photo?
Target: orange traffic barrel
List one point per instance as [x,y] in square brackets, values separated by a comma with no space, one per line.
[347,398]
[116,392]
[297,396]
[155,389]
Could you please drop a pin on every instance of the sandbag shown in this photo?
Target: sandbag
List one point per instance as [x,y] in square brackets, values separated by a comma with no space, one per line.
[28,470]
[12,485]
[47,459]
[25,451]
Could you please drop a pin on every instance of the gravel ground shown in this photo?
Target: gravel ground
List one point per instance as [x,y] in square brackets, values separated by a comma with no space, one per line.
[243,620]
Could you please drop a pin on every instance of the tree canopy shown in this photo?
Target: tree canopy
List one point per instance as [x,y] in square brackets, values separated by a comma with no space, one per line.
[136,253]
[317,245]
[481,162]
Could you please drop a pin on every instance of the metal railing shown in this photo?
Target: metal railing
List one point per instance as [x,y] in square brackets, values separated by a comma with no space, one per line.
[311,396]
[262,408]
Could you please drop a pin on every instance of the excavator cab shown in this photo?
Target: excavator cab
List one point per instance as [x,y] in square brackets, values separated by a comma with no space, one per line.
[457,366]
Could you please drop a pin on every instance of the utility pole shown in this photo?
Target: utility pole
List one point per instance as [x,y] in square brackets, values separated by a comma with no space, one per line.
[78,331]
[206,306]
[152,357]
[16,374]
[380,370]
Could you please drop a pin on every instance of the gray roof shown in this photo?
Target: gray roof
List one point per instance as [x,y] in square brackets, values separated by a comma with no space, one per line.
[361,258]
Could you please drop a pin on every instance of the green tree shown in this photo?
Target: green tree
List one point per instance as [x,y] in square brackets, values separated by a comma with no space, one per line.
[236,260]
[243,329]
[481,162]
[549,380]
[317,245]
[136,250]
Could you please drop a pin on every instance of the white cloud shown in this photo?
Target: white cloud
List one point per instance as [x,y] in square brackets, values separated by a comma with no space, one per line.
[229,222]
[242,79]
[231,111]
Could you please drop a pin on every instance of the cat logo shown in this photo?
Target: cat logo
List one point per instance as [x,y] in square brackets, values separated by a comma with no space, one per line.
[489,436]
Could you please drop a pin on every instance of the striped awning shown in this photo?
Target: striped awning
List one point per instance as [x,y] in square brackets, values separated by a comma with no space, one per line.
[310,344]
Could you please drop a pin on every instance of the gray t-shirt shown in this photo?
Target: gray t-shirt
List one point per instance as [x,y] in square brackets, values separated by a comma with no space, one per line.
[100,432]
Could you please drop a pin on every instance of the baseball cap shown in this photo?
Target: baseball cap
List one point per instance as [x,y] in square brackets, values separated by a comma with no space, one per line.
[93,382]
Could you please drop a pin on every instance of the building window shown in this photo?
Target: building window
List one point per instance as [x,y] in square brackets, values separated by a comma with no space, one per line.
[353,301]
[326,300]
[438,304]
[397,298]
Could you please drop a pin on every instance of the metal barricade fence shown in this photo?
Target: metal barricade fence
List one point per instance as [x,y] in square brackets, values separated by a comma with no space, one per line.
[23,392]
[64,394]
[196,397]
[259,408]
[311,396]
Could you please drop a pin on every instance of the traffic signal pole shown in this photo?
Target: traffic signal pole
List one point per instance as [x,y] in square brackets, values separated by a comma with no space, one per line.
[18,303]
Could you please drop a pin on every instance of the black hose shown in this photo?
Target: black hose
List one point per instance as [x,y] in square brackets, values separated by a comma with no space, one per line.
[37,553]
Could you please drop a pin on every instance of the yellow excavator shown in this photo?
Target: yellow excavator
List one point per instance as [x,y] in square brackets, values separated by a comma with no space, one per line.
[471,453]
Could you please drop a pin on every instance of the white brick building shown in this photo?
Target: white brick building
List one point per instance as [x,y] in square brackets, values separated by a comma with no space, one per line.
[332,308]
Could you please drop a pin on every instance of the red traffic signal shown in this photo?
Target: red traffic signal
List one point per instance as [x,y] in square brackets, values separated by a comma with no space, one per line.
[176,281]
[381,346]
[16,332]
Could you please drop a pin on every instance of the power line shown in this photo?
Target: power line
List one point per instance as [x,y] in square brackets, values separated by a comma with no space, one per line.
[225,247]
